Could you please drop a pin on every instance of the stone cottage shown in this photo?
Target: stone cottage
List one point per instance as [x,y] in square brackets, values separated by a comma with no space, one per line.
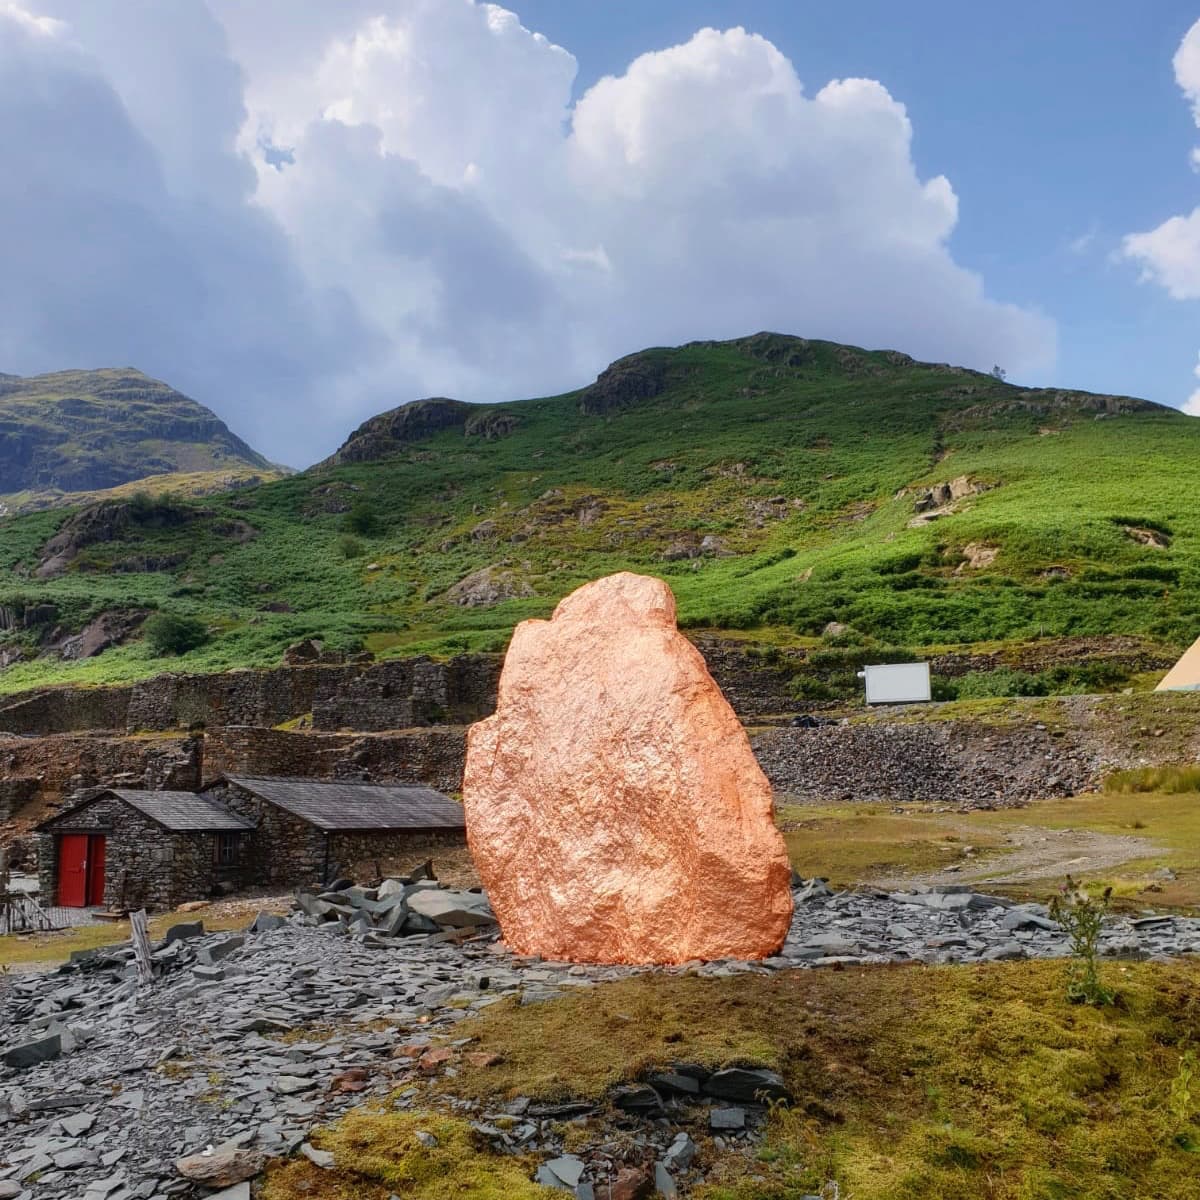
[310,832]
[124,849]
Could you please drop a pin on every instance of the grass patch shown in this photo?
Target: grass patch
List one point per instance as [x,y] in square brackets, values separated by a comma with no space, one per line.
[848,844]
[954,1083]
[377,1154]
[1173,780]
[58,946]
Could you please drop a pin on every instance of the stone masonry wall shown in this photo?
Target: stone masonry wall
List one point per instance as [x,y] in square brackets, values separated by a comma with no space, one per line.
[39,774]
[407,692]
[284,851]
[434,757]
[139,855]
[396,694]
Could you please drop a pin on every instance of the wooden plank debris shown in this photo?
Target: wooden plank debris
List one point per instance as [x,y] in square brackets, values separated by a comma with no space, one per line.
[140,937]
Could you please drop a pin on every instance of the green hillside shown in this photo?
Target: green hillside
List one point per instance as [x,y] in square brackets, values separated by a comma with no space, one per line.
[774,482]
[84,431]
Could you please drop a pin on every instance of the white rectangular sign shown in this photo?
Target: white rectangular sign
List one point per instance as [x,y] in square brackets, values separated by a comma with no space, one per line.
[898,683]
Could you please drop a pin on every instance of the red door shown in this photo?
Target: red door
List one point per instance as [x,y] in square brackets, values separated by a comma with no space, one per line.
[72,870]
[95,869]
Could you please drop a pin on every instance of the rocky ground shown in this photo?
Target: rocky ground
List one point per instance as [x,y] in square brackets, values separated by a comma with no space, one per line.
[246,1042]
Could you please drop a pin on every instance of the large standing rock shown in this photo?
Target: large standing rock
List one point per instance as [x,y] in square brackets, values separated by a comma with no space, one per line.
[614,808]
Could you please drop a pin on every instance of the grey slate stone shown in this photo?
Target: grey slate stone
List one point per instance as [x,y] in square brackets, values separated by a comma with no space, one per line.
[568,1170]
[29,1054]
[749,1086]
[664,1185]
[727,1118]
[183,931]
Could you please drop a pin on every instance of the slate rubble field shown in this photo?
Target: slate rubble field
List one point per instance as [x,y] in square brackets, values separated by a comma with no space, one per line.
[250,1042]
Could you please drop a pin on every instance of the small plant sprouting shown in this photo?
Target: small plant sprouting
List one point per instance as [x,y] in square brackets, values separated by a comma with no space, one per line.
[1183,1099]
[1082,915]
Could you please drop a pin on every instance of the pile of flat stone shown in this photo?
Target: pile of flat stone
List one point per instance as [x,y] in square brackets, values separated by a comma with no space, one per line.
[396,908]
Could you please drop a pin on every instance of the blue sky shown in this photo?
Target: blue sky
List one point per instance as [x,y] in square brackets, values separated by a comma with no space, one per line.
[1059,124]
[303,213]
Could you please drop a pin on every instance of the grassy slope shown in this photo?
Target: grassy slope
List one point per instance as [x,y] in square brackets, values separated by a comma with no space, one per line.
[839,436]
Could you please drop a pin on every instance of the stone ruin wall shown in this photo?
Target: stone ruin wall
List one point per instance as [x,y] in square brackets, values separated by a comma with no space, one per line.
[48,769]
[356,709]
[366,698]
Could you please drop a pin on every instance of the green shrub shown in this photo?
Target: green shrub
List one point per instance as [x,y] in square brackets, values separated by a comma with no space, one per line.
[362,518]
[169,633]
[348,546]
[980,685]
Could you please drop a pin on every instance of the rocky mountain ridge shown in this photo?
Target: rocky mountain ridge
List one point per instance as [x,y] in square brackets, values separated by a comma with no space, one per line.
[82,431]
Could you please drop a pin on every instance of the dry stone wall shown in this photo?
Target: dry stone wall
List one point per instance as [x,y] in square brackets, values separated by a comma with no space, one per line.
[433,757]
[373,697]
[48,769]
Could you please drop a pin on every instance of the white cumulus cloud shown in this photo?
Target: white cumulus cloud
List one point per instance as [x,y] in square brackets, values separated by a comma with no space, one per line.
[1169,254]
[1192,404]
[304,212]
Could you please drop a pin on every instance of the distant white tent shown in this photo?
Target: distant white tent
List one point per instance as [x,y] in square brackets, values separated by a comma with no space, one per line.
[1184,676]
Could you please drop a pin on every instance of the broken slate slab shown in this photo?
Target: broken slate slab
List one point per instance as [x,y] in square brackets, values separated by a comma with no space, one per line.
[727,1118]
[182,931]
[29,1054]
[222,949]
[748,1086]
[457,909]
[239,1191]
[565,1172]
[319,1158]
[664,1184]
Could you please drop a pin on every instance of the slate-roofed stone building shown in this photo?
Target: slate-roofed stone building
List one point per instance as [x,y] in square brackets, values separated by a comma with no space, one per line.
[127,849]
[309,831]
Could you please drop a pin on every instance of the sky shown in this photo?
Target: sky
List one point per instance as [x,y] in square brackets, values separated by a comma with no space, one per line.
[303,213]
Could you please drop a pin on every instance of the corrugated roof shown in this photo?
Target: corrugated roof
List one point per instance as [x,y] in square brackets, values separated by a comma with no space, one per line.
[349,805]
[180,812]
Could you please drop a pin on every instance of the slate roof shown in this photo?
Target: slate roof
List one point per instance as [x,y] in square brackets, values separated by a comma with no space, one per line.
[180,812]
[349,806]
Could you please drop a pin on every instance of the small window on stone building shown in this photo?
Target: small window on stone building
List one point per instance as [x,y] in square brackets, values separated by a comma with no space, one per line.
[227,849]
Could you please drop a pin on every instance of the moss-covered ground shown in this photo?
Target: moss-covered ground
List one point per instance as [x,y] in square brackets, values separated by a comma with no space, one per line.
[378,1155]
[952,1083]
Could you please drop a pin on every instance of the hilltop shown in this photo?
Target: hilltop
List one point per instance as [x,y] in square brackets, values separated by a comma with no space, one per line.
[812,499]
[74,432]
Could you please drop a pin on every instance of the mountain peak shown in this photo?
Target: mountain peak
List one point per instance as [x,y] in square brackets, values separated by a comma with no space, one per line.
[86,430]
